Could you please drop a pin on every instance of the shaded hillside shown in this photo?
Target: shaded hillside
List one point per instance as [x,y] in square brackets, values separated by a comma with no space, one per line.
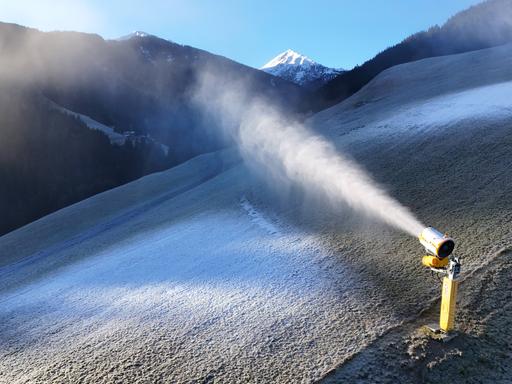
[49,160]
[484,25]
[63,95]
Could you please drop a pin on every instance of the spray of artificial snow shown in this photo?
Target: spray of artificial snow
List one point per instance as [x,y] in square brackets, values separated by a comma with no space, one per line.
[288,151]
[292,151]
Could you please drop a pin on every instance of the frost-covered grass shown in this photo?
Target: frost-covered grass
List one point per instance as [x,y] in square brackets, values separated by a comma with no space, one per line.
[200,284]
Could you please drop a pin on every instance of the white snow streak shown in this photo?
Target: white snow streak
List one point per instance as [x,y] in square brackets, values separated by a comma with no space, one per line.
[257,217]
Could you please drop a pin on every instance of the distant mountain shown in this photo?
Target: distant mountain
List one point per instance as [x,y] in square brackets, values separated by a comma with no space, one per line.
[135,34]
[80,114]
[481,26]
[300,69]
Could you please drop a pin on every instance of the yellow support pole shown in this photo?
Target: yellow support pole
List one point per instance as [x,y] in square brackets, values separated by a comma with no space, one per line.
[448,299]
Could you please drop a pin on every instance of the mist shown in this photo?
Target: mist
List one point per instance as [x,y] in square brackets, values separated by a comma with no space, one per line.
[286,151]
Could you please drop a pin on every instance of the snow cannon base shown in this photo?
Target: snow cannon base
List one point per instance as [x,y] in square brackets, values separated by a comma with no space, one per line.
[434,332]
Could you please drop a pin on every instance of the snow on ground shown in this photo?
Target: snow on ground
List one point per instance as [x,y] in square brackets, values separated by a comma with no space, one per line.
[487,102]
[257,217]
[114,137]
[425,117]
[191,287]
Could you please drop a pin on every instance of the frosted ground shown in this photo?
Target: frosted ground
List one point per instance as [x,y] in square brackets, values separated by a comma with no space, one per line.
[197,274]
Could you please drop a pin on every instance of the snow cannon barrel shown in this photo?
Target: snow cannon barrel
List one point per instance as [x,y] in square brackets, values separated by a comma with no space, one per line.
[437,244]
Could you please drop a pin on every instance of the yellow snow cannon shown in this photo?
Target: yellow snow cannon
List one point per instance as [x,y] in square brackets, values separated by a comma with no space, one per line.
[441,260]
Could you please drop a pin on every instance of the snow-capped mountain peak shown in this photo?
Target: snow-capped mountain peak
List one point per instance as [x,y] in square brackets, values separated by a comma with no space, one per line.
[300,69]
[288,57]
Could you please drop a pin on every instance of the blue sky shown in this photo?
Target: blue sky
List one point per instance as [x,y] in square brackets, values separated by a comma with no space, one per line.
[334,33]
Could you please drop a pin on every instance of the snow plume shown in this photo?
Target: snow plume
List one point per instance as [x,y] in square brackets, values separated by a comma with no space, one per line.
[287,151]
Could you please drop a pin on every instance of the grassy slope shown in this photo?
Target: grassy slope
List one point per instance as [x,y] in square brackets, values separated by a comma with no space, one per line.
[193,288]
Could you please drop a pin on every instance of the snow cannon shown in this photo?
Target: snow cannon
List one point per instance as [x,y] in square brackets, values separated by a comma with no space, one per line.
[441,260]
